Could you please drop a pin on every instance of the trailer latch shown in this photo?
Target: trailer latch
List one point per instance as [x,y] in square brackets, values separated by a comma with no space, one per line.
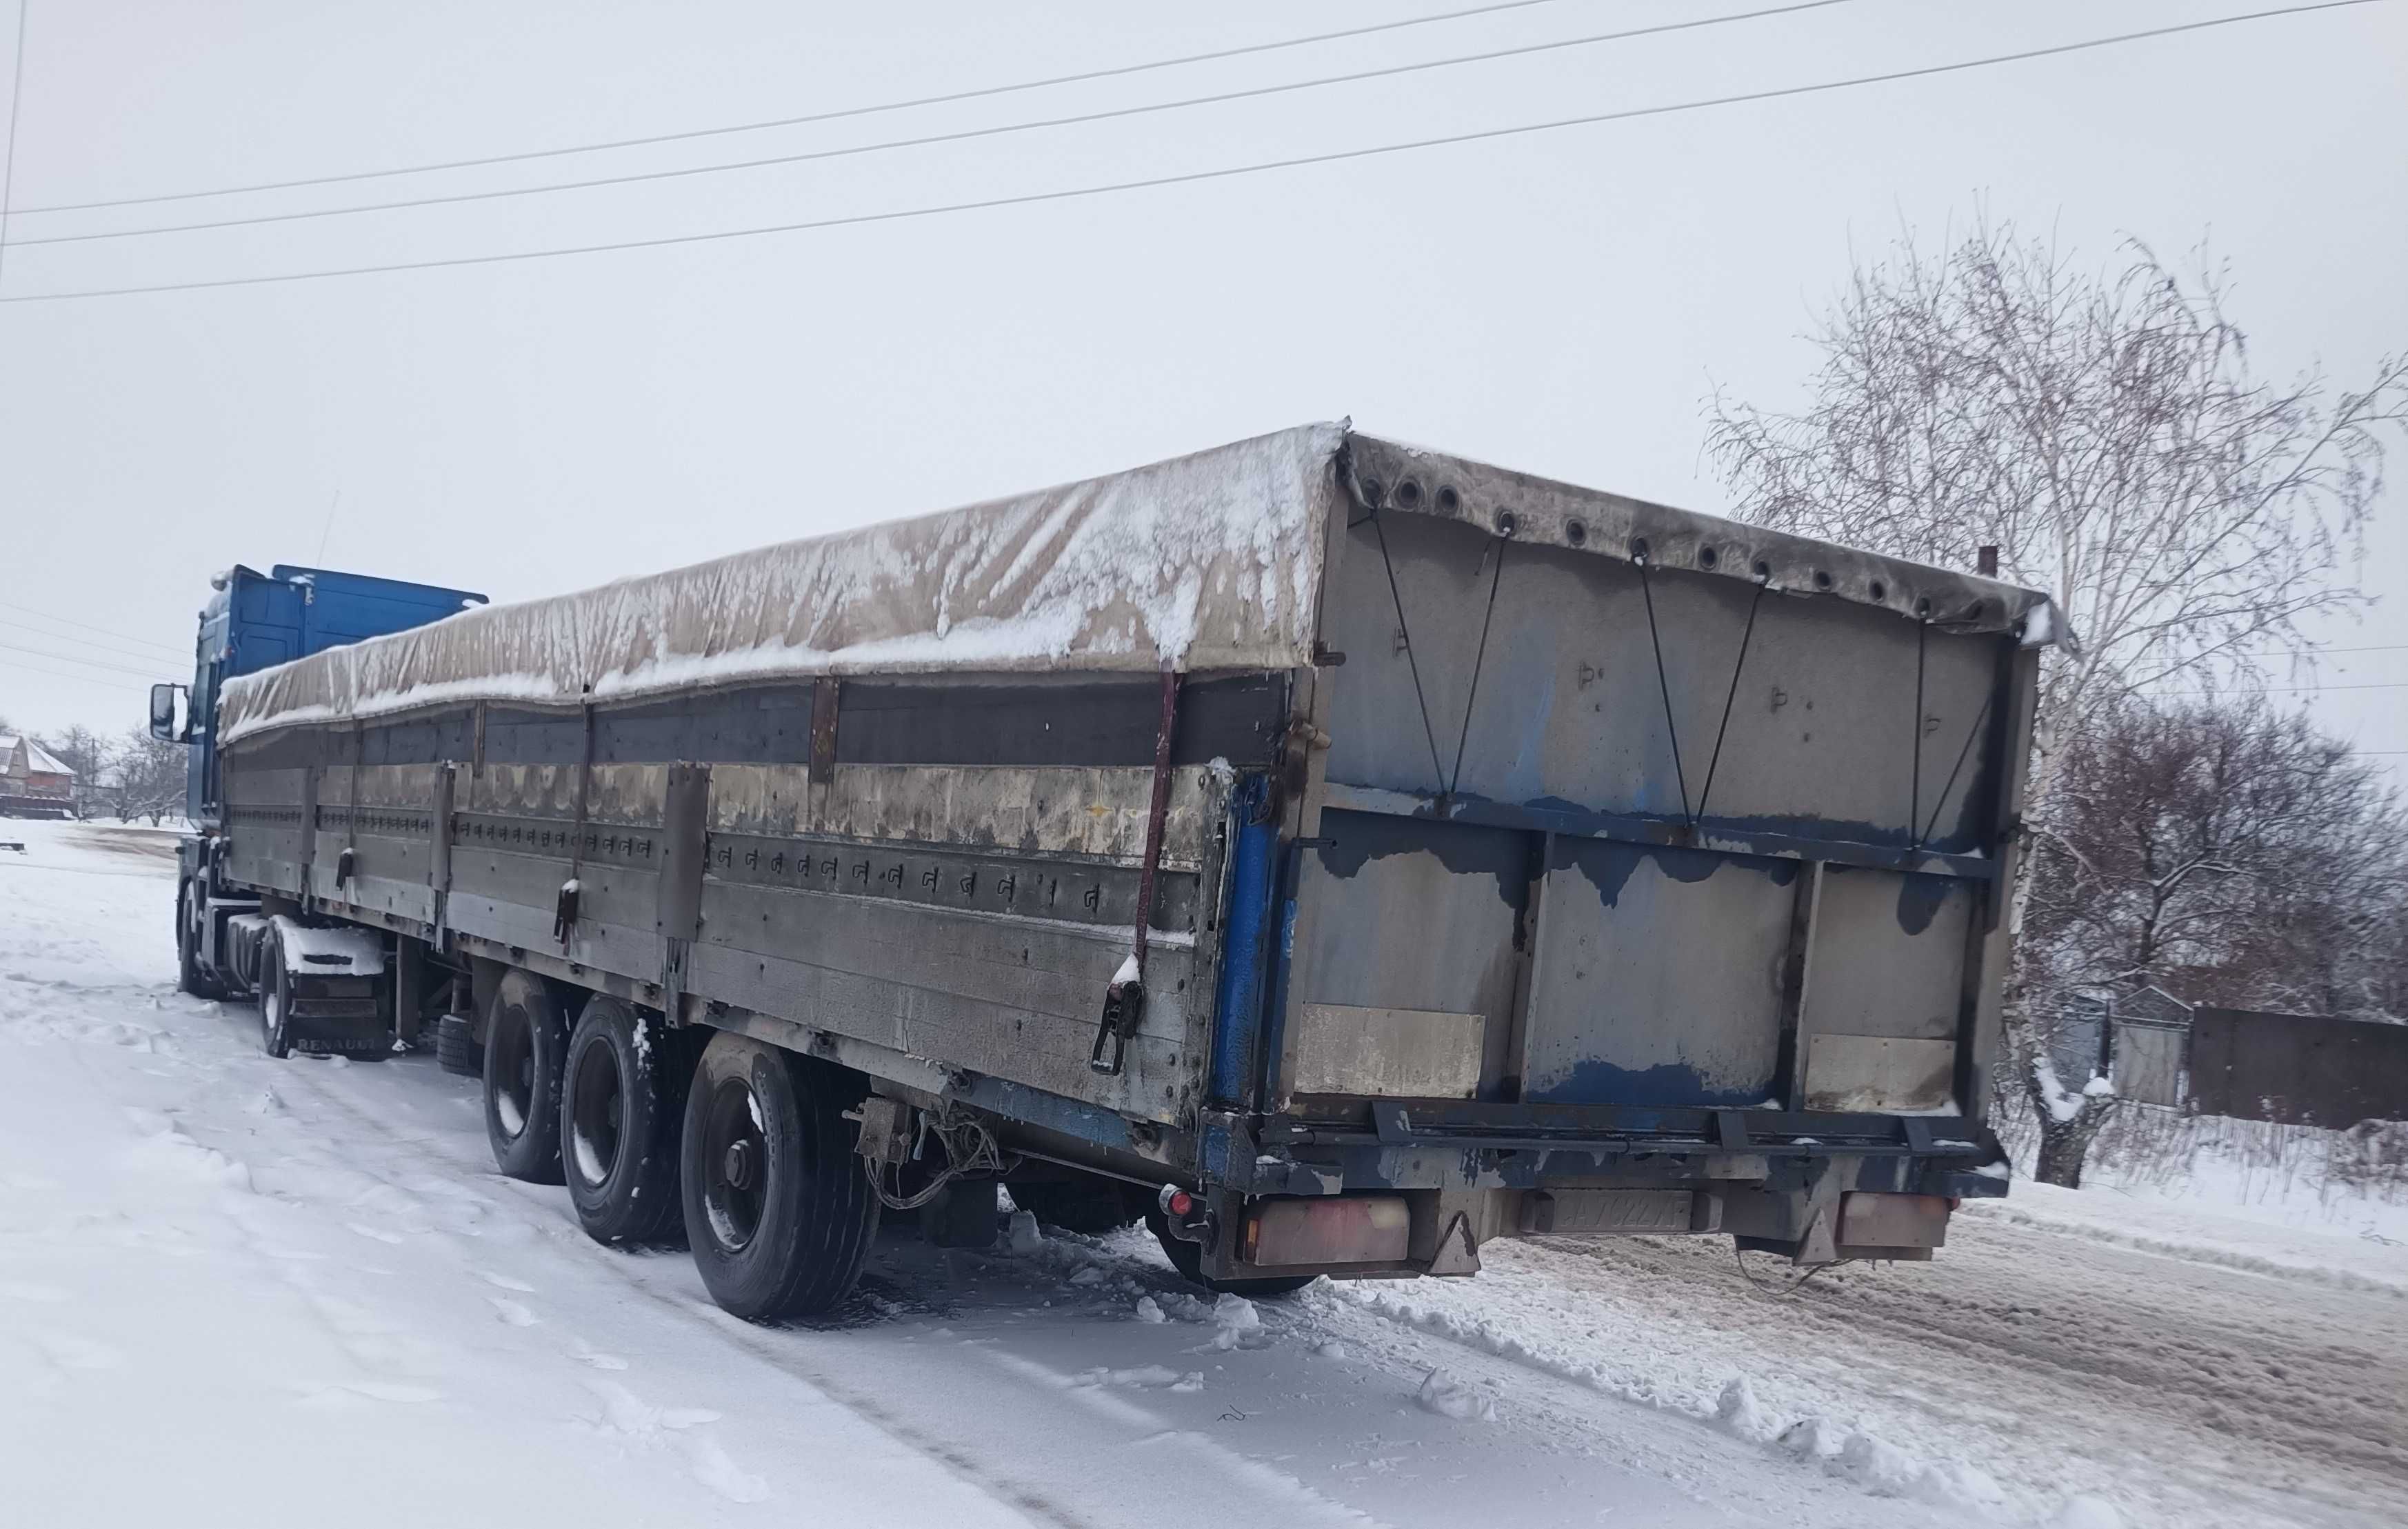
[1123,1009]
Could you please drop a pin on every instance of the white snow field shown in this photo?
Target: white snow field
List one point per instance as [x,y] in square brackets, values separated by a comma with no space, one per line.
[241,1291]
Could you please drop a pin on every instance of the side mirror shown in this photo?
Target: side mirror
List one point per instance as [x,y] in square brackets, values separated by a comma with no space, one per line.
[164,725]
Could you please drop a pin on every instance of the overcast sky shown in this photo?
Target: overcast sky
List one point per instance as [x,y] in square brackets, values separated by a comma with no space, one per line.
[1557,302]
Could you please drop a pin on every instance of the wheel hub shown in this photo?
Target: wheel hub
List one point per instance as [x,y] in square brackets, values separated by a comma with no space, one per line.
[739,1164]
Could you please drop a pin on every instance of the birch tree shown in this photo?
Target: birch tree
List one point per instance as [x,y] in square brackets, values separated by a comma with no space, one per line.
[2107,434]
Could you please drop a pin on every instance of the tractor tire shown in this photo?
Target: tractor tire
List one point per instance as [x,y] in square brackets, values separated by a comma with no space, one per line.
[189,978]
[275,1001]
[455,1047]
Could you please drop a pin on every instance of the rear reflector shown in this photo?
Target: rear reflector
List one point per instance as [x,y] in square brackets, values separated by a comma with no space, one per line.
[1373,1229]
[1892,1221]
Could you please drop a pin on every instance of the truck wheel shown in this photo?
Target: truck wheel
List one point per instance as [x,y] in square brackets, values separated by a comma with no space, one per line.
[1188,1259]
[1090,1205]
[189,978]
[525,1042]
[455,1047]
[620,1116]
[275,1000]
[777,1208]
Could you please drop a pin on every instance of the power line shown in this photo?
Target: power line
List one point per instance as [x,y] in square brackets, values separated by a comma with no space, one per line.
[16,96]
[980,93]
[1190,177]
[23,609]
[927,141]
[71,658]
[62,637]
[79,679]
[2291,689]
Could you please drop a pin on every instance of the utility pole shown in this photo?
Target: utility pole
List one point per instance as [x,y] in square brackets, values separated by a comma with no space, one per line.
[8,164]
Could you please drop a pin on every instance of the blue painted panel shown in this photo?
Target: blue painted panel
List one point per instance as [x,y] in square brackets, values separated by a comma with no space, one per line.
[1236,1015]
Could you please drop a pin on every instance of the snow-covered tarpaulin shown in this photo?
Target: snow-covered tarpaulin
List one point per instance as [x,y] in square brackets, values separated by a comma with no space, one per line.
[1203,562]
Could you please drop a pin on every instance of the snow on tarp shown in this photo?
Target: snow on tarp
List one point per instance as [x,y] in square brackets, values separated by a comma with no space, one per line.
[1205,562]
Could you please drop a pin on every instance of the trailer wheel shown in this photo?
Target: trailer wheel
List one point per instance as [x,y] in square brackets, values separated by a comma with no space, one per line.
[1188,1259]
[275,1000]
[777,1208]
[620,1112]
[525,1043]
[189,976]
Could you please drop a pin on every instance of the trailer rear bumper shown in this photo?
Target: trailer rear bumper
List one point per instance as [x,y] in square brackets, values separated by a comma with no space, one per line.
[1448,1145]
[1816,1187]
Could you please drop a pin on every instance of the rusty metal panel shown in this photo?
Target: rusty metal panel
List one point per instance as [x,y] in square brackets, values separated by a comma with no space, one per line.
[1046,809]
[1888,952]
[1388,1053]
[1879,1074]
[1012,997]
[1594,1212]
[1657,978]
[1412,914]
[1775,713]
[1601,525]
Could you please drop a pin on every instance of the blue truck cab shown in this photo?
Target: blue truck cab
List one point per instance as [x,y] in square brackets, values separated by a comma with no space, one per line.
[255,621]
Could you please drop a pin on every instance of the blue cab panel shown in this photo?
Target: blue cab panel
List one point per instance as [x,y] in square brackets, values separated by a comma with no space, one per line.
[258,620]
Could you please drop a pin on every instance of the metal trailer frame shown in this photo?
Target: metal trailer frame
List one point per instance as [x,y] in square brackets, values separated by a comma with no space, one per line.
[934,879]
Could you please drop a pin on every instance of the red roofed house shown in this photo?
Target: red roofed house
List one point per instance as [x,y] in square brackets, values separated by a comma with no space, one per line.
[33,782]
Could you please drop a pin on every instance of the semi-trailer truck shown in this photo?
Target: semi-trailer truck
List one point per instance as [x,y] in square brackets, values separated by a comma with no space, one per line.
[1338,854]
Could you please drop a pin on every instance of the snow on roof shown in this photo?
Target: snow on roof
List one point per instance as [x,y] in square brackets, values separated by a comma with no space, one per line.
[39,760]
[1206,562]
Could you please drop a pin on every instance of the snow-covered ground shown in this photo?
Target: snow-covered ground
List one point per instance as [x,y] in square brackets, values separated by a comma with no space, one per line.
[237,1291]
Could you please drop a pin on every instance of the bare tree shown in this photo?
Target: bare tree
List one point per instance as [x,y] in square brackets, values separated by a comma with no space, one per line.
[85,752]
[150,775]
[2104,432]
[2221,853]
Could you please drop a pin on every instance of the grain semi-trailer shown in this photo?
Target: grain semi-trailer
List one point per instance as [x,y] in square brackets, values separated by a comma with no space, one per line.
[1342,854]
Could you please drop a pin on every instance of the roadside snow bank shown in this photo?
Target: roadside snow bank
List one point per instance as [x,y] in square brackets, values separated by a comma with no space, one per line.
[2363,1262]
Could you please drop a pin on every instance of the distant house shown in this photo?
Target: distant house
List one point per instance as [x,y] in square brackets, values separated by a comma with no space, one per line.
[33,782]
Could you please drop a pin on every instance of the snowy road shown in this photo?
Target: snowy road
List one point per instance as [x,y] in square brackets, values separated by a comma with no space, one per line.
[233,1290]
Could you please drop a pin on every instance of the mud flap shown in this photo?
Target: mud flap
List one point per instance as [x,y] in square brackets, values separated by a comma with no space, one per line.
[1458,1252]
[1819,1242]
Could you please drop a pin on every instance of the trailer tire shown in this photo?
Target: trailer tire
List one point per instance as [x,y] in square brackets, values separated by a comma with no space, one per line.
[620,1113]
[455,1047]
[778,1211]
[1188,1259]
[275,1000]
[189,978]
[1090,1205]
[525,1040]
